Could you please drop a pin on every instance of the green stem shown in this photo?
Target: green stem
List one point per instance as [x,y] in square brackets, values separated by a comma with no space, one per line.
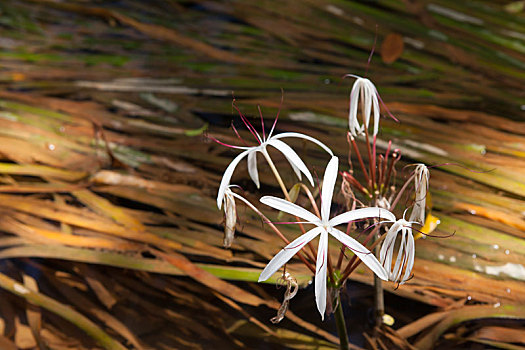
[378,298]
[276,174]
[340,323]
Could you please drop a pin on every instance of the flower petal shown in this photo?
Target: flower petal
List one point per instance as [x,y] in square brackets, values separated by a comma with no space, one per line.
[290,208]
[306,137]
[353,123]
[401,258]
[376,111]
[367,98]
[320,274]
[292,157]
[330,175]
[362,213]
[252,168]
[287,252]
[228,175]
[411,253]
[364,254]
[388,246]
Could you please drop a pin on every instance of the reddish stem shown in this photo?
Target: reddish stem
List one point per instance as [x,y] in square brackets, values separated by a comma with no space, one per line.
[354,144]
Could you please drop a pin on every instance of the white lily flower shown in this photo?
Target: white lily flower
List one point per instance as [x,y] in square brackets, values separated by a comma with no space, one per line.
[324,226]
[265,141]
[405,254]
[364,91]
[421,186]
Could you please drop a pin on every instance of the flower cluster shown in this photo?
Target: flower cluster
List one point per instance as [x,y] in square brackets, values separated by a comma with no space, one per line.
[371,200]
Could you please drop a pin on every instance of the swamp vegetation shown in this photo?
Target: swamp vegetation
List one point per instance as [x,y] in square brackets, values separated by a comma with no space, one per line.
[110,237]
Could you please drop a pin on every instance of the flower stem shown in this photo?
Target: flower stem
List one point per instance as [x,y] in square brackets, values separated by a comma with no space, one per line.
[277,175]
[354,145]
[340,323]
[379,299]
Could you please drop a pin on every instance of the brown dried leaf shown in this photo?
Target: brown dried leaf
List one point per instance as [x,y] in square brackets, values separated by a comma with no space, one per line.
[392,48]
[24,338]
[504,334]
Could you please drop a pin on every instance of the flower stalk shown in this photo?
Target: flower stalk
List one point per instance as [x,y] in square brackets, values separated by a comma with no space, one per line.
[340,322]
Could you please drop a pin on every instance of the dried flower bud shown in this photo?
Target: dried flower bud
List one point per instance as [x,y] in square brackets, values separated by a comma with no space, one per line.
[421,178]
[291,290]
[230,218]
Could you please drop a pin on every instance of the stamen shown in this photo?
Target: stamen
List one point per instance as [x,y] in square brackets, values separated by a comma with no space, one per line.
[286,222]
[357,251]
[387,110]
[225,144]
[320,267]
[434,236]
[262,121]
[246,122]
[278,112]
[371,52]
[462,166]
[298,245]
[237,133]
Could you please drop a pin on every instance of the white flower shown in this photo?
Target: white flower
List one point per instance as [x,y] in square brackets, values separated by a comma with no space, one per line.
[324,226]
[421,178]
[363,91]
[251,152]
[405,255]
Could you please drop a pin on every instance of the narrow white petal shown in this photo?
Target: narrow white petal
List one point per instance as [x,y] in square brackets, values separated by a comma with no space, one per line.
[411,253]
[292,157]
[306,137]
[401,258]
[367,97]
[388,246]
[290,208]
[376,112]
[391,244]
[320,274]
[287,252]
[252,168]
[364,254]
[362,213]
[352,113]
[330,176]
[228,175]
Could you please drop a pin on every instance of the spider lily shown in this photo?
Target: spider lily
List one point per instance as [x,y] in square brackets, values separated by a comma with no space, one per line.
[405,255]
[263,142]
[323,227]
[421,186]
[365,91]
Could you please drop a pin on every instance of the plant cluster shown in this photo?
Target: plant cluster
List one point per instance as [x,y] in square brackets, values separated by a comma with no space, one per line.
[370,199]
